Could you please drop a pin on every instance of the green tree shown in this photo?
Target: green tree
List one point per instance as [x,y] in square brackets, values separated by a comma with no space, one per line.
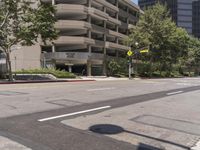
[23,22]
[167,42]
[192,61]
[113,67]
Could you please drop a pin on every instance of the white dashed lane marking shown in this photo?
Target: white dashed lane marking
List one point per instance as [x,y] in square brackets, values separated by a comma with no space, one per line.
[173,93]
[101,89]
[74,113]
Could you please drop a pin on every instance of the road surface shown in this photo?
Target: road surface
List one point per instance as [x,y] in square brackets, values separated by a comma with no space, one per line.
[104,115]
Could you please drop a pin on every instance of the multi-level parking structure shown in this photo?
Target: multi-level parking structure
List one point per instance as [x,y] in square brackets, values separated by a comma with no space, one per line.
[90,33]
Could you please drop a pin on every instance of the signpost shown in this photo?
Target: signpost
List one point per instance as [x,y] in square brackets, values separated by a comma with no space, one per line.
[129,53]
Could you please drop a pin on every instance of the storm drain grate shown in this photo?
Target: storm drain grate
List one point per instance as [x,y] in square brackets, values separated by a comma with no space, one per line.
[11,93]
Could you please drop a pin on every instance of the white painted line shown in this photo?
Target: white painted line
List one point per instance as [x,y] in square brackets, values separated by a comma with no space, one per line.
[75,113]
[189,84]
[100,89]
[196,147]
[173,93]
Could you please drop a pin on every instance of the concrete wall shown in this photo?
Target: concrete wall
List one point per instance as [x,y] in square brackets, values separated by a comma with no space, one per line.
[27,57]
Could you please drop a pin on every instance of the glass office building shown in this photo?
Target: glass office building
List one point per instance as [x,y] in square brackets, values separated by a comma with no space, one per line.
[196,18]
[181,11]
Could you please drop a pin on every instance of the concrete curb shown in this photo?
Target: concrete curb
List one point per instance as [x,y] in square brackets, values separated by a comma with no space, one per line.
[43,81]
[196,147]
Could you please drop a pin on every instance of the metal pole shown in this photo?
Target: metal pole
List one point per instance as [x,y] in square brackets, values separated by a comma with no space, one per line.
[15,66]
[129,68]
[70,68]
[136,65]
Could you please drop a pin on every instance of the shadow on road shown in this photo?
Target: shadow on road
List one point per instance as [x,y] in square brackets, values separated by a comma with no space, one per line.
[142,146]
[114,129]
[106,129]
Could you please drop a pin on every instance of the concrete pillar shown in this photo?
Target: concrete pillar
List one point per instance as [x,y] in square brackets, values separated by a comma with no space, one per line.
[105,63]
[117,3]
[89,31]
[117,40]
[89,68]
[104,52]
[53,2]
[53,48]
[70,68]
[117,15]
[89,64]
[128,17]
[127,32]
[89,3]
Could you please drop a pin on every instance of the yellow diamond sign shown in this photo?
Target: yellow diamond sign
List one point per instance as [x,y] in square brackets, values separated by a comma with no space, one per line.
[129,53]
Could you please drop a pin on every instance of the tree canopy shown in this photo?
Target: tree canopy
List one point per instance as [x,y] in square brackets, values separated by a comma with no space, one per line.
[167,43]
[24,22]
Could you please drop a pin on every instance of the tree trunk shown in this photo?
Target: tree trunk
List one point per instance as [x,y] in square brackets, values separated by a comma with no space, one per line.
[151,65]
[160,68]
[170,69]
[189,70]
[8,65]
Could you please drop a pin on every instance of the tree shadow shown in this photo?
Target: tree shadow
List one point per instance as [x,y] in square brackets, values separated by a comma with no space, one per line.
[143,146]
[114,129]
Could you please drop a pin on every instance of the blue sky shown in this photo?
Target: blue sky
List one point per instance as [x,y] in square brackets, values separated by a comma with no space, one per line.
[135,1]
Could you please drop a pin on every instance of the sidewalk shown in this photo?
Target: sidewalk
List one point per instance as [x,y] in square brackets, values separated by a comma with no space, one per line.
[45,81]
[103,78]
[8,144]
[81,79]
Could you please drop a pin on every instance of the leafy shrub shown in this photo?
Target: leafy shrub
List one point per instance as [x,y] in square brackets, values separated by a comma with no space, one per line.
[117,67]
[56,73]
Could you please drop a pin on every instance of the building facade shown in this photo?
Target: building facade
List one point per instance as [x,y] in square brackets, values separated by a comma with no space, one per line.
[181,11]
[91,32]
[196,18]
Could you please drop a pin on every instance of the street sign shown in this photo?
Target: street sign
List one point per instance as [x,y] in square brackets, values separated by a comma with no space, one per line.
[129,53]
[144,51]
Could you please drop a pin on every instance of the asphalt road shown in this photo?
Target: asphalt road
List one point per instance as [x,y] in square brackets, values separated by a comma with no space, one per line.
[58,116]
